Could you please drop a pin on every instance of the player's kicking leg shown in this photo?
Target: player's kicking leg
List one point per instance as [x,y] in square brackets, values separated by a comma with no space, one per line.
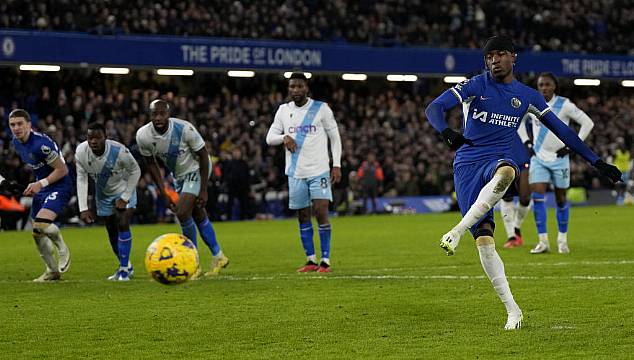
[490,194]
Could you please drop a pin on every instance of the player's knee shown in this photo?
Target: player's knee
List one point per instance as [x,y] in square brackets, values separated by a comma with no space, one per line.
[485,240]
[506,174]
[183,214]
[40,226]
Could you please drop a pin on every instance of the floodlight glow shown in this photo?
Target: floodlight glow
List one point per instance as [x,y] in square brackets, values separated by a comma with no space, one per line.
[175,72]
[587,82]
[356,77]
[288,74]
[114,70]
[453,79]
[241,73]
[33,67]
[396,77]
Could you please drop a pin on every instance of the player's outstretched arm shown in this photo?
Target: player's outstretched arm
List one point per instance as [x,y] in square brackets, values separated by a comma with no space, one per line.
[570,138]
[59,171]
[435,112]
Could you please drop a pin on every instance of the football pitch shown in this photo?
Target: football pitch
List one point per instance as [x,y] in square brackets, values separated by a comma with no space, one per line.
[392,294]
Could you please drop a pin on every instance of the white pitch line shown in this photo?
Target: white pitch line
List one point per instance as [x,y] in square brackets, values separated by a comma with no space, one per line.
[284,277]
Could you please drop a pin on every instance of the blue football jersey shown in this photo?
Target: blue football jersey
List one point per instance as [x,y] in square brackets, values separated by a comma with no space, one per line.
[492,113]
[39,152]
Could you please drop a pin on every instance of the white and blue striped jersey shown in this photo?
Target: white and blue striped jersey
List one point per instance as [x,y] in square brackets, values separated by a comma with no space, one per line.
[310,125]
[176,148]
[545,143]
[115,172]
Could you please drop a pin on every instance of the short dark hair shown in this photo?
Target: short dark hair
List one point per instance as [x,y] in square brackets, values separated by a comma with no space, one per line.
[552,76]
[97,126]
[20,113]
[298,75]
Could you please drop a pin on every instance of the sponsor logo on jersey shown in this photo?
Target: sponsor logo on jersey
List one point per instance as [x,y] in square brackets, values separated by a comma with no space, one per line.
[305,129]
[495,118]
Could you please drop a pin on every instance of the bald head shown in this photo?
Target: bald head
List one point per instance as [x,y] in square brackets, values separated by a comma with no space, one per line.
[159,104]
[159,114]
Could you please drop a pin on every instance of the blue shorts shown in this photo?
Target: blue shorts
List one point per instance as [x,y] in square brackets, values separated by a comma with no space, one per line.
[555,172]
[106,205]
[470,178]
[54,199]
[302,191]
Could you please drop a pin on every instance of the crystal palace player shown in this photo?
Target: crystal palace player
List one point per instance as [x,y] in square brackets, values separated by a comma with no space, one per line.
[116,174]
[304,126]
[551,163]
[495,104]
[51,192]
[181,148]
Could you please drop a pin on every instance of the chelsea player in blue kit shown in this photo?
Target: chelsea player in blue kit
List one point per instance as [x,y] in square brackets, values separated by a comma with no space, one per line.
[51,192]
[484,169]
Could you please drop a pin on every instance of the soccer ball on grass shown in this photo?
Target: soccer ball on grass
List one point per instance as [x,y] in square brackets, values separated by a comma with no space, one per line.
[171,259]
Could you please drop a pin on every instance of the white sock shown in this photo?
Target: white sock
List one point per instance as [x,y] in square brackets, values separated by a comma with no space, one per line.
[326,260]
[520,214]
[507,210]
[312,258]
[562,238]
[218,255]
[494,268]
[45,247]
[490,194]
[53,233]
[543,238]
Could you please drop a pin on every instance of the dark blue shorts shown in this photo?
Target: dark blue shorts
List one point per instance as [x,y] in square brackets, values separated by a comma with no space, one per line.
[54,200]
[470,178]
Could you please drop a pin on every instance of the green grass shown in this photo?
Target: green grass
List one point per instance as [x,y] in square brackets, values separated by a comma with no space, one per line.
[392,294]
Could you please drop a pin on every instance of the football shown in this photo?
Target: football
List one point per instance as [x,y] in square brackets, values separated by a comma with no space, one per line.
[171,259]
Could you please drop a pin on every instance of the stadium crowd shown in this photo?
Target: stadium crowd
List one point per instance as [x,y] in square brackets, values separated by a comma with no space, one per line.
[535,24]
[375,120]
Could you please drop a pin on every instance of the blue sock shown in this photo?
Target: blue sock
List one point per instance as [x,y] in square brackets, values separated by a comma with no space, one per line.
[209,236]
[125,244]
[189,230]
[306,234]
[114,243]
[563,213]
[324,239]
[539,210]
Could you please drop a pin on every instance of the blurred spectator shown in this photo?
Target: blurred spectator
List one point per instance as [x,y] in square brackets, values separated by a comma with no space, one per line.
[237,179]
[370,175]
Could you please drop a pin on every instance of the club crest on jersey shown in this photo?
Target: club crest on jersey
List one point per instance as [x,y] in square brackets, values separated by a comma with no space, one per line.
[516,103]
[45,149]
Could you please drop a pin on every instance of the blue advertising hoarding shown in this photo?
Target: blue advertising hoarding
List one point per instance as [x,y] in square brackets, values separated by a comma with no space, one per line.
[213,53]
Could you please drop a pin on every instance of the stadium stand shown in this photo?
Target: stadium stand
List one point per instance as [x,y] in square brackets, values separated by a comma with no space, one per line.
[536,24]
